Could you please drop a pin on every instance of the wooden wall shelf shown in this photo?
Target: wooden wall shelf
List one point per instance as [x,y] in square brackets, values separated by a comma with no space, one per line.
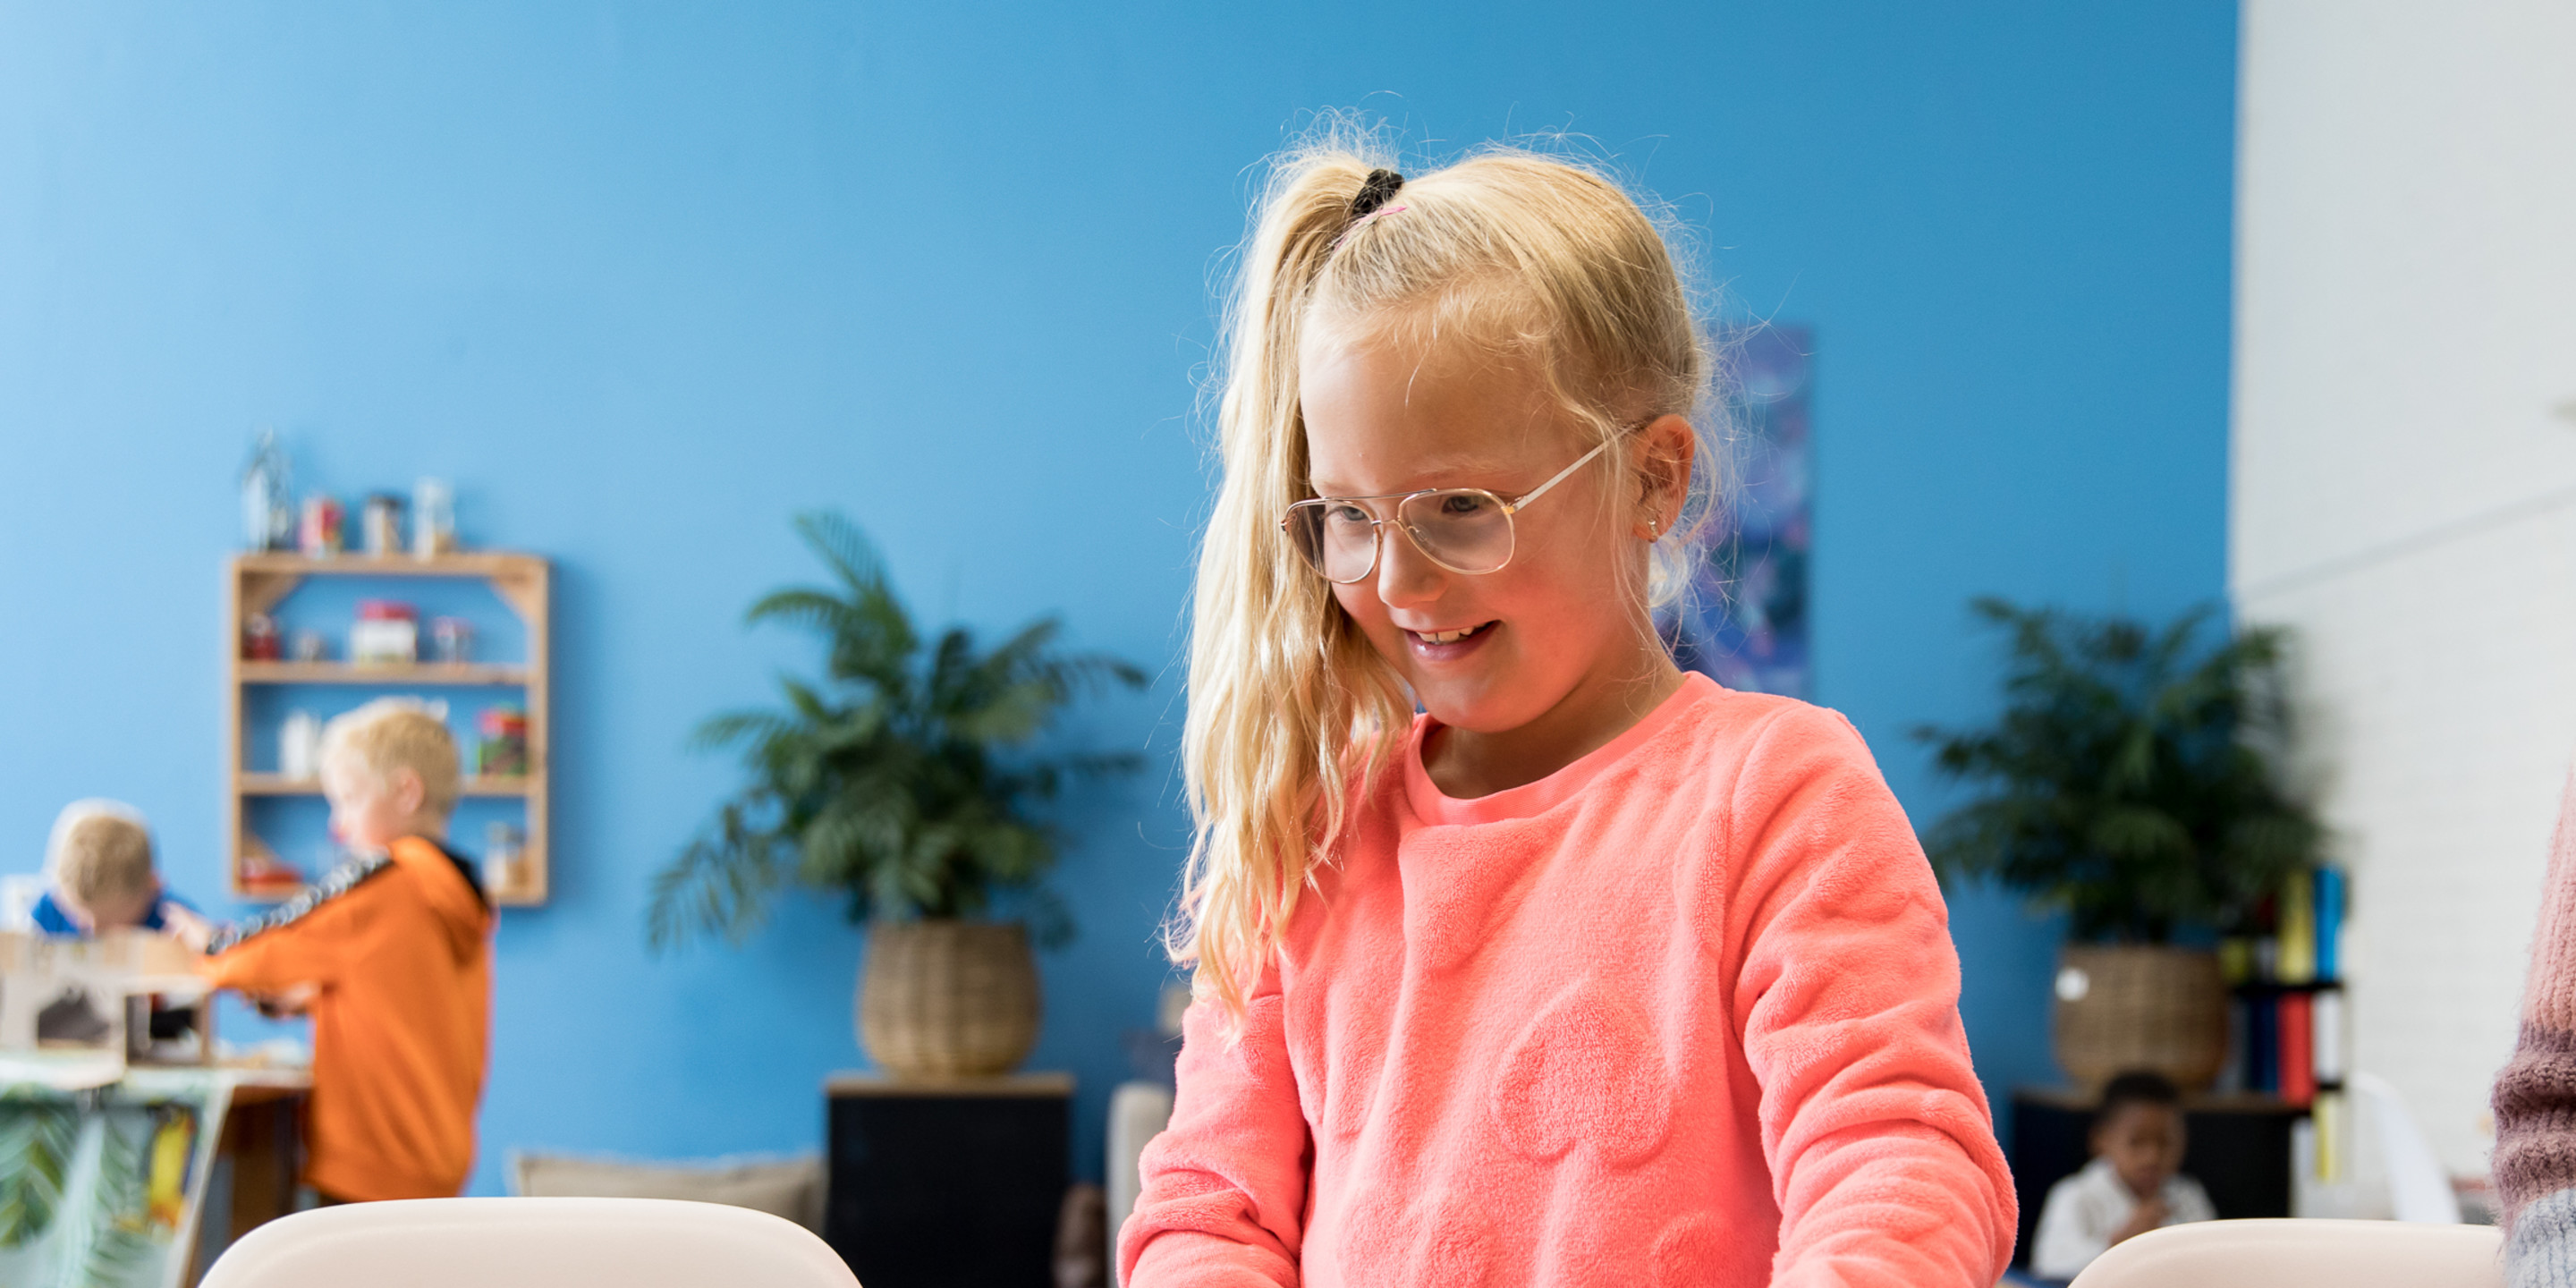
[256,583]
[279,785]
[343,673]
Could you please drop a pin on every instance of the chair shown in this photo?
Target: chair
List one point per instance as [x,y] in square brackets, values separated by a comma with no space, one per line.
[530,1243]
[2303,1254]
[2418,1189]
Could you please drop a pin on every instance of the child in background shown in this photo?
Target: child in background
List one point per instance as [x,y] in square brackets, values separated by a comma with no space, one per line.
[1592,972]
[2134,1183]
[99,874]
[390,954]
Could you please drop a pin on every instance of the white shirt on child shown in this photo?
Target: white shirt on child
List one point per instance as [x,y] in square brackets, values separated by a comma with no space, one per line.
[2086,1209]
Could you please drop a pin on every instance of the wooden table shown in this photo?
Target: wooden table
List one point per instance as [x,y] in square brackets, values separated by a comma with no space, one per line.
[262,1146]
[954,1182]
[264,1141]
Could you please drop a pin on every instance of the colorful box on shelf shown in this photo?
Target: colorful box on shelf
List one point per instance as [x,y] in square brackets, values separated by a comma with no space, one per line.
[387,633]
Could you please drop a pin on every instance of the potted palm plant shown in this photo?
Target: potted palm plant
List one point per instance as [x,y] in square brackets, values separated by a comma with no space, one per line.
[2134,782]
[902,780]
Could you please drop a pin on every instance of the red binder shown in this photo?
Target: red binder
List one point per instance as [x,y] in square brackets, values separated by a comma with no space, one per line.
[2298,1049]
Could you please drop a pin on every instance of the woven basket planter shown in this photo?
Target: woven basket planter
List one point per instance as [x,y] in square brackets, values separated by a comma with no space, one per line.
[948,999]
[2123,1007]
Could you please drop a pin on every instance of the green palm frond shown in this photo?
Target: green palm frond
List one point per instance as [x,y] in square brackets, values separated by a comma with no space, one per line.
[36,1140]
[121,1237]
[2132,777]
[901,777]
[720,884]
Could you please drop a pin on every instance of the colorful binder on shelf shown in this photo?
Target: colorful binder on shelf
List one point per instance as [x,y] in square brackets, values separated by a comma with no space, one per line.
[2262,1044]
[2298,929]
[2328,1113]
[2329,884]
[2298,1077]
[2326,1020]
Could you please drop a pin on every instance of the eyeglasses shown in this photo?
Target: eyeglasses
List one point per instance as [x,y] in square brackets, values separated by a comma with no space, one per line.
[1463,529]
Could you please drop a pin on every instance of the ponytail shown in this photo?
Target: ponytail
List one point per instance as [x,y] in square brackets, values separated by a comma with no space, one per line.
[1283,689]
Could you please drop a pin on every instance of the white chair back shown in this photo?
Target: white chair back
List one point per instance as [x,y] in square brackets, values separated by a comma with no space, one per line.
[530,1243]
[2303,1254]
[2418,1189]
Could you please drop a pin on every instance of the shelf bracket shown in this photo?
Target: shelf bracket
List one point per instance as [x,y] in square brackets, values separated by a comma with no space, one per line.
[523,591]
[260,591]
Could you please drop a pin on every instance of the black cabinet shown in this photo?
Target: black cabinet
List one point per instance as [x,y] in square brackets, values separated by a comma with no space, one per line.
[2237,1147]
[951,1183]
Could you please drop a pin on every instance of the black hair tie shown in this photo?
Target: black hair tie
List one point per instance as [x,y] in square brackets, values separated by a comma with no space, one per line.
[1375,191]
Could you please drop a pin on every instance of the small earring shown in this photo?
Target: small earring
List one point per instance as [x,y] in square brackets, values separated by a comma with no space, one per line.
[1655,528]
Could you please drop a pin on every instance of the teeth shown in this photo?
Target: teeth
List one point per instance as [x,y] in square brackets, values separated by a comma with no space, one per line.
[1450,637]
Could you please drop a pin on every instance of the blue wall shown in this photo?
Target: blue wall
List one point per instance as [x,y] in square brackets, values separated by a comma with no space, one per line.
[645,279]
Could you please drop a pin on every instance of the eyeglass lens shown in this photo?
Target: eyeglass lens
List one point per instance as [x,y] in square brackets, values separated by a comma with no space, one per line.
[1465,530]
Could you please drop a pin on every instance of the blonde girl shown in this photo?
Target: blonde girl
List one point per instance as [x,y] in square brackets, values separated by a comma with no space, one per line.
[1523,957]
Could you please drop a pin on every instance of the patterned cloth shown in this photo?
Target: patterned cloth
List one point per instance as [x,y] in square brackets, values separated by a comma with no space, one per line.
[2535,1094]
[105,1188]
[338,881]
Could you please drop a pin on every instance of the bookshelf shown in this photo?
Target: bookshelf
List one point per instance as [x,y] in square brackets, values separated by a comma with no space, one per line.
[259,583]
[2289,1025]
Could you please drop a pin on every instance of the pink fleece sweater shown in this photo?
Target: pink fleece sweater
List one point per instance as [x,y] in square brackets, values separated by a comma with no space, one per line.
[1684,1012]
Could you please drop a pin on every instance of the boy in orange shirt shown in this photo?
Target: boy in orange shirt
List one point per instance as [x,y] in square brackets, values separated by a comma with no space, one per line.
[390,952]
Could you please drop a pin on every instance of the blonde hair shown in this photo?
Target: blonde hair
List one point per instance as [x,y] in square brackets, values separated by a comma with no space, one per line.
[1548,263]
[398,733]
[100,849]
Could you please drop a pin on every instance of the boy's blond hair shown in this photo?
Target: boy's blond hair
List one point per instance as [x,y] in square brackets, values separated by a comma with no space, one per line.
[398,733]
[101,850]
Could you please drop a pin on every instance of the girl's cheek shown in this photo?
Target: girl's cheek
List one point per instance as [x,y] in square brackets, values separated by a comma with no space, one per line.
[1359,602]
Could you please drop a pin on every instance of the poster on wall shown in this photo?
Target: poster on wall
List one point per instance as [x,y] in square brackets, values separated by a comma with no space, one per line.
[1744,621]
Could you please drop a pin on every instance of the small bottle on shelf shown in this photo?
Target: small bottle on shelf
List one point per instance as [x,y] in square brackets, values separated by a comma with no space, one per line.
[299,746]
[501,846]
[433,519]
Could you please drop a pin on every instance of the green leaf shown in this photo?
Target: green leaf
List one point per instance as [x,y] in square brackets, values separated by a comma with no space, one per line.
[901,776]
[2131,776]
[120,1235]
[36,1139]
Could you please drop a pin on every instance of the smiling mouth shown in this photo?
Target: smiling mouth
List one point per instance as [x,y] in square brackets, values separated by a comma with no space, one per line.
[1449,637]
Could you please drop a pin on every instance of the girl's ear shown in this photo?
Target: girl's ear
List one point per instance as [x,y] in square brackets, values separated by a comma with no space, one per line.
[1664,453]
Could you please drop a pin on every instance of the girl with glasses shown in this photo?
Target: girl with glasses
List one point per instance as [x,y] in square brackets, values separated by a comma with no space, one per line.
[1521,956]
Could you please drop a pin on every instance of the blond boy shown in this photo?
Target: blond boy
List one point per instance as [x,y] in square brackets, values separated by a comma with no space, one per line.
[99,874]
[390,952]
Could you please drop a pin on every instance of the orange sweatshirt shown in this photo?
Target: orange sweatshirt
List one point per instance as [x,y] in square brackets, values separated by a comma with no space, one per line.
[399,948]
[1684,1012]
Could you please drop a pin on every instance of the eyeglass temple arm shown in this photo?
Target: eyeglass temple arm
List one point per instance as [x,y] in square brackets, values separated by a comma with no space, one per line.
[1562,474]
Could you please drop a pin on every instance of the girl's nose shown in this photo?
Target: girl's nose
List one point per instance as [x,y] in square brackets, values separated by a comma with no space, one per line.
[1404,575]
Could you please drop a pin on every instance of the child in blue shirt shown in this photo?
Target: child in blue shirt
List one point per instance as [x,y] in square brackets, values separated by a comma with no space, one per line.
[99,874]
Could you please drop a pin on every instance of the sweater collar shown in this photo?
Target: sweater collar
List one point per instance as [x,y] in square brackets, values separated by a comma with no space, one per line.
[1531,799]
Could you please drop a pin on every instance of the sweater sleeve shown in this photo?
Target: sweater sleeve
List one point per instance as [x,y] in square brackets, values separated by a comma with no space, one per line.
[2535,1092]
[1223,1188]
[308,950]
[1881,1147]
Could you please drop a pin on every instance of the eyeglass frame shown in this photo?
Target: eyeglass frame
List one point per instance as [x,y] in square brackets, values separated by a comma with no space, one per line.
[1377,526]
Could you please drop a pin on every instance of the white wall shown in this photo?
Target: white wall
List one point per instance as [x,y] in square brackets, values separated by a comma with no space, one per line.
[2404,485]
